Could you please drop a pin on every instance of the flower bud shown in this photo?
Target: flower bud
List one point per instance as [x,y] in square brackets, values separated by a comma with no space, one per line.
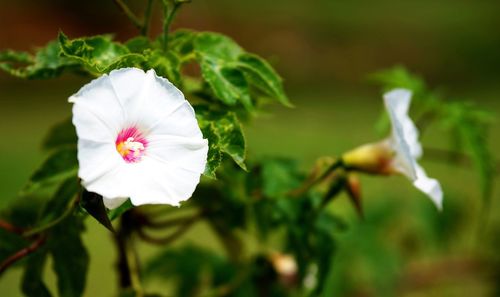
[285,267]
[374,158]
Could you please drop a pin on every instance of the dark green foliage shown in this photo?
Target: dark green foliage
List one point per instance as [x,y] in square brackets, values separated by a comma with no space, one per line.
[32,282]
[59,165]
[61,202]
[61,134]
[70,258]
[190,266]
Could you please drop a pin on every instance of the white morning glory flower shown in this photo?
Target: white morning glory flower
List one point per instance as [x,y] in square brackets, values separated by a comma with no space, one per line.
[399,152]
[404,141]
[138,138]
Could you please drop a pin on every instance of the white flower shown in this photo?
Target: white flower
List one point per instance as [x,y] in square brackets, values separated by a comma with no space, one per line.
[407,148]
[399,152]
[137,137]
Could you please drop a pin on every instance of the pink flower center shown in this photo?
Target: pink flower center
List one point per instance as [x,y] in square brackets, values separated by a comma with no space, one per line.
[131,144]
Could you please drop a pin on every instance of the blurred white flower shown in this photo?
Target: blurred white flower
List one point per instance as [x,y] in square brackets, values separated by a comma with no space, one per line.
[404,141]
[399,152]
[137,137]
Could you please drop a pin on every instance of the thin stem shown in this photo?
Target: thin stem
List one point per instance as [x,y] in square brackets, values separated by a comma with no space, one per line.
[11,228]
[128,262]
[67,211]
[133,264]
[316,177]
[147,18]
[22,253]
[170,238]
[172,222]
[168,17]
[126,10]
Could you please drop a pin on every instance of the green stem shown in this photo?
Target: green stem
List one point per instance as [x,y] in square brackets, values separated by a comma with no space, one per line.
[147,18]
[168,17]
[126,10]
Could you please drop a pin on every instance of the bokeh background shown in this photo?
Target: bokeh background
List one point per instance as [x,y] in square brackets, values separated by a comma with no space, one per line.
[324,49]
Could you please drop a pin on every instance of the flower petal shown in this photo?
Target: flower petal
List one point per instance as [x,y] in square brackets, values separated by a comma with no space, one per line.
[429,186]
[128,85]
[157,101]
[114,203]
[158,183]
[96,159]
[397,103]
[181,122]
[97,112]
[183,152]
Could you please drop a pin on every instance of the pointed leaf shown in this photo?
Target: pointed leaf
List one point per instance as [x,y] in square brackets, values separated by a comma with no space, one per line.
[94,205]
[263,76]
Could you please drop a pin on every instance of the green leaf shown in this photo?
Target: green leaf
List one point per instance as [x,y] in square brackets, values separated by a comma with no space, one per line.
[59,165]
[99,54]
[32,283]
[214,157]
[398,77]
[225,125]
[181,42]
[216,46]
[138,44]
[117,212]
[227,83]
[11,243]
[47,62]
[279,176]
[469,127]
[61,134]
[191,266]
[217,55]
[94,205]
[61,202]
[166,64]
[263,76]
[70,258]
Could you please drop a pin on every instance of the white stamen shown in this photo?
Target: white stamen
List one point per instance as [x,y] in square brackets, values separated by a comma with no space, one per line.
[135,146]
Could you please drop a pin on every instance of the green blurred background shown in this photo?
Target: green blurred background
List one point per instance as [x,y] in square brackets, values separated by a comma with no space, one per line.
[324,49]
